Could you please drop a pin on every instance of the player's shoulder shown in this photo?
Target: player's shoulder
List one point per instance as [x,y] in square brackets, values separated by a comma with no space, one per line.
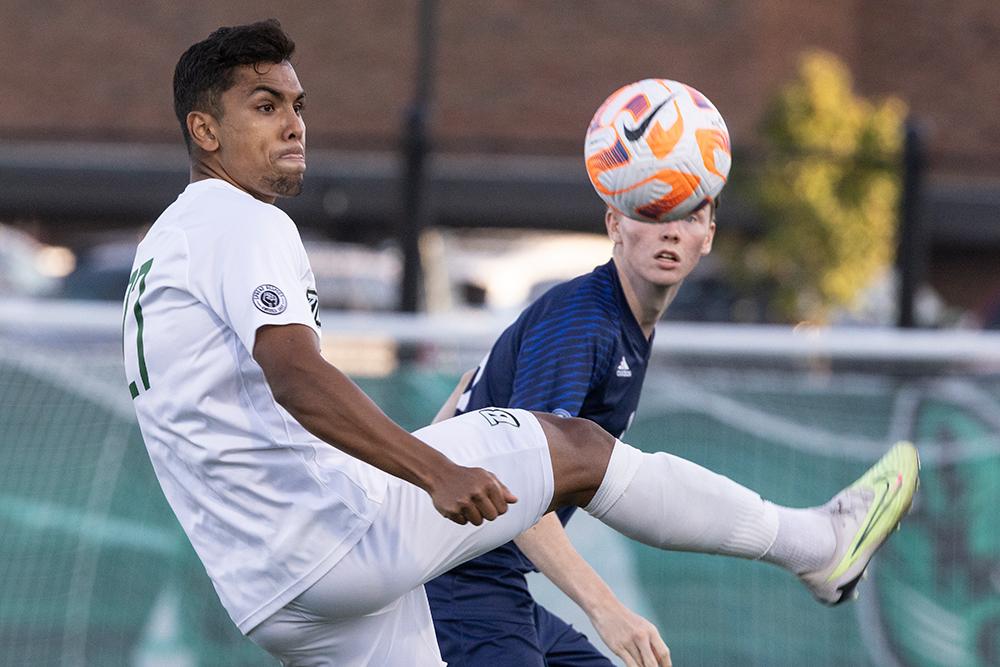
[224,204]
[588,296]
[581,310]
[211,210]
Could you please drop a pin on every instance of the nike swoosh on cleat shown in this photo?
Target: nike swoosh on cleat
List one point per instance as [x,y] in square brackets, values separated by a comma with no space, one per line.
[882,505]
[635,134]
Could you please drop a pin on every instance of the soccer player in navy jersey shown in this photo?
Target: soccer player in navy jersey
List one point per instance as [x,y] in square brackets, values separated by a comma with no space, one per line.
[580,350]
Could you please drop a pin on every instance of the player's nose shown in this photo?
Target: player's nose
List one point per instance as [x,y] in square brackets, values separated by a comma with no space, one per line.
[670,230]
[295,126]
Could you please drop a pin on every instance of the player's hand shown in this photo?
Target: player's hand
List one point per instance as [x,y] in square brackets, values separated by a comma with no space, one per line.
[632,638]
[469,495]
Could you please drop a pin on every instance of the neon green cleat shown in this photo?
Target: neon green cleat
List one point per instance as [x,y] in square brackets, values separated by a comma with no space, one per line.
[864,515]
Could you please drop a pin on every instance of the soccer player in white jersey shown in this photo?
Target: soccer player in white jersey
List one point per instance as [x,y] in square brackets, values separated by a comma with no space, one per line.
[317,518]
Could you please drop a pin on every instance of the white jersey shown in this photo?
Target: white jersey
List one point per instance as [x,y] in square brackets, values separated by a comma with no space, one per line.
[269,507]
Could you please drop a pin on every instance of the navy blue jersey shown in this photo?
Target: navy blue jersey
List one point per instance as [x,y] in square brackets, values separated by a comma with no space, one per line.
[577,351]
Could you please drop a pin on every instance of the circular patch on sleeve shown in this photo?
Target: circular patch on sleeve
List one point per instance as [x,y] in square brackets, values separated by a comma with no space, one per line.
[269,299]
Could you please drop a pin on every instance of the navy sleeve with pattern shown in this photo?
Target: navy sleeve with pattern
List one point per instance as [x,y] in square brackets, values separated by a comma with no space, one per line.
[560,358]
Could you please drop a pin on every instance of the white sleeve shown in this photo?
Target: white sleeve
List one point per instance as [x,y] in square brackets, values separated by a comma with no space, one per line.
[257,276]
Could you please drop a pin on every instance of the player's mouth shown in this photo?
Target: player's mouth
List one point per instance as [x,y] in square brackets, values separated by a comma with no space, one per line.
[667,258]
[296,155]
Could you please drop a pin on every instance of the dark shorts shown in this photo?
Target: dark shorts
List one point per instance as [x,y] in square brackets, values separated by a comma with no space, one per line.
[547,642]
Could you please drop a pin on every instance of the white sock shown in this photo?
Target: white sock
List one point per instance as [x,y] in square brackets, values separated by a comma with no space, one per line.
[805,540]
[668,502]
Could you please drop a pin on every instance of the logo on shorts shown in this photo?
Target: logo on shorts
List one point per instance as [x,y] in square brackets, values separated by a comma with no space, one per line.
[269,299]
[496,416]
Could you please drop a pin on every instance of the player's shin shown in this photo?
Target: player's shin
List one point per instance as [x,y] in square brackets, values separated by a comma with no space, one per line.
[671,503]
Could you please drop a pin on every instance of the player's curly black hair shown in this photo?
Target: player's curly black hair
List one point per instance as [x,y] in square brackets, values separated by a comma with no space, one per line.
[205,71]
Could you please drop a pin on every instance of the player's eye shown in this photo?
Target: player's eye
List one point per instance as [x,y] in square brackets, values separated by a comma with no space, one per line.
[299,107]
[267,107]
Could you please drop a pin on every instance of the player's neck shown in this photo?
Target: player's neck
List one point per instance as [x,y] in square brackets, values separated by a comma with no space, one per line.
[202,170]
[647,302]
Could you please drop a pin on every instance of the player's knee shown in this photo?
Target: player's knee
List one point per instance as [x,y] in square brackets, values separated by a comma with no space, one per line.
[588,435]
[574,428]
[581,440]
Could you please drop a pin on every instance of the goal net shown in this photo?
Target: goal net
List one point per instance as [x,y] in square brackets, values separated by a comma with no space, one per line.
[94,569]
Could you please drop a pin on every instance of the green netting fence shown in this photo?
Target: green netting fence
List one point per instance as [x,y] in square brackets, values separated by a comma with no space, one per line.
[94,569]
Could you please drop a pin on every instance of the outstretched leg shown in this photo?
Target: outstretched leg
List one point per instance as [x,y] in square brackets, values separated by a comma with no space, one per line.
[671,503]
[658,499]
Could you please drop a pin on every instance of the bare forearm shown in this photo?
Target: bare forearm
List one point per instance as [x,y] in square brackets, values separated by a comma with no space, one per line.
[447,410]
[330,406]
[632,638]
[549,548]
[333,408]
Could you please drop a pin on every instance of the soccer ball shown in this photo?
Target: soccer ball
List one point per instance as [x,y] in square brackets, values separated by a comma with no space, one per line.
[656,150]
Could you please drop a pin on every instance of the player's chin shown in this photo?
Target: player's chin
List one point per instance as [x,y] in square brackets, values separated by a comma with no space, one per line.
[667,277]
[287,185]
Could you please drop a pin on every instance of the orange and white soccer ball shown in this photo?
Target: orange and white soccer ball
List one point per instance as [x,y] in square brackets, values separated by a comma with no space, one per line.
[657,149]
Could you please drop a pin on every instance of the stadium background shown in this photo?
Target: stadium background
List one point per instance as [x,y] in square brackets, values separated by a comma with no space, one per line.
[93,567]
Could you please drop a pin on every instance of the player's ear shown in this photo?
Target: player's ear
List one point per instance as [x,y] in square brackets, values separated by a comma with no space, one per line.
[613,223]
[706,245]
[201,127]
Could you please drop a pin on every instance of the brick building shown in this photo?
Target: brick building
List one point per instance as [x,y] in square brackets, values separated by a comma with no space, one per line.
[88,135]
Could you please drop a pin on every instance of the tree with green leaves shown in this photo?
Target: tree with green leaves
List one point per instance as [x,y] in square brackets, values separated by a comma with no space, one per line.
[829,191]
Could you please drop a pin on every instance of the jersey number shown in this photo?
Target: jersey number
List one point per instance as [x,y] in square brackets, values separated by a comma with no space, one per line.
[138,277]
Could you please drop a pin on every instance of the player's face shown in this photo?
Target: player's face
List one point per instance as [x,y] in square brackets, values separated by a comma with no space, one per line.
[661,254]
[261,134]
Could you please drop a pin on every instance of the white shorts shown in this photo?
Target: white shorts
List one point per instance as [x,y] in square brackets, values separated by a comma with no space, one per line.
[370,608]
